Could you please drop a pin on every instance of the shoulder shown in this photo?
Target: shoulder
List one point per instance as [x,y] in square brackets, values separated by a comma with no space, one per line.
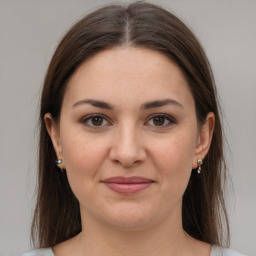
[220,251]
[40,252]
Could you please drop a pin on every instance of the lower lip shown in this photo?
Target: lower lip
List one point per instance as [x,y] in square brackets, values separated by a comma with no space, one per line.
[128,188]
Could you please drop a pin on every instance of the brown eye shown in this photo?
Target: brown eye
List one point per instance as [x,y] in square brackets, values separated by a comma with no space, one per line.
[159,120]
[97,120]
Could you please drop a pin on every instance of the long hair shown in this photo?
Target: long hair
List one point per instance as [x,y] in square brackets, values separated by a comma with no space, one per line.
[140,24]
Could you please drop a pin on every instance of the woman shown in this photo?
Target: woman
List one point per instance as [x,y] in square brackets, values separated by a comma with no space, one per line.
[130,117]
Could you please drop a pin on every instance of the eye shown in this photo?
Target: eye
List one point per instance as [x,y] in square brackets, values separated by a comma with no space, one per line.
[95,120]
[160,120]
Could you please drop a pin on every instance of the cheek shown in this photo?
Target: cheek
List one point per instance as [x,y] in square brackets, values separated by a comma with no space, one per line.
[176,152]
[83,157]
[173,158]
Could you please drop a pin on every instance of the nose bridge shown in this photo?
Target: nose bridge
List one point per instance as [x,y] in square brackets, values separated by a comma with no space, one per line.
[127,138]
[128,147]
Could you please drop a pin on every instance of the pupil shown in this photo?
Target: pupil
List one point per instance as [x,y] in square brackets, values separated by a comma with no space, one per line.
[159,120]
[97,121]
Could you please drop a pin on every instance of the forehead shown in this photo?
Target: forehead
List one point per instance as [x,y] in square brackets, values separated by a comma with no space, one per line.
[126,73]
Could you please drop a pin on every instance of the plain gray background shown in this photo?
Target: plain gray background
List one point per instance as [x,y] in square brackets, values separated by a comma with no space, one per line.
[29,32]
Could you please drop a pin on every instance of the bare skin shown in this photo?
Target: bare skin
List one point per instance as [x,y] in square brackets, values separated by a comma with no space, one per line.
[129,112]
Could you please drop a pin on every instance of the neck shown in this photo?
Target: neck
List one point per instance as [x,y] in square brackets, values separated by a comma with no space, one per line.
[163,239]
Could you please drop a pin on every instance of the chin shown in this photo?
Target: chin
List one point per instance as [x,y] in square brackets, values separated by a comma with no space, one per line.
[129,218]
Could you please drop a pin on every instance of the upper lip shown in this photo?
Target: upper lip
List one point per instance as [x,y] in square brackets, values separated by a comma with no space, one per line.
[127,180]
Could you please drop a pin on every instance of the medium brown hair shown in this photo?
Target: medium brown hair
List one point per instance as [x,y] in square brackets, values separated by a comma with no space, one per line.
[140,24]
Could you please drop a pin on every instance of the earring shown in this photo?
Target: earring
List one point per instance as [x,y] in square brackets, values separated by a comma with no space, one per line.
[200,162]
[58,163]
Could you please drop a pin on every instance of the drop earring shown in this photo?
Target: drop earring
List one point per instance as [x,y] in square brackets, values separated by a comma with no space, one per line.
[58,163]
[200,162]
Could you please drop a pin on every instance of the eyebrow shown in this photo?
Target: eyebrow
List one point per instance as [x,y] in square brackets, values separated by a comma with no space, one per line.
[95,103]
[147,105]
[160,103]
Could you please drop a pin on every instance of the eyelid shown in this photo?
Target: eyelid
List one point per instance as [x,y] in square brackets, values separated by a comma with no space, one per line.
[90,116]
[171,120]
[166,116]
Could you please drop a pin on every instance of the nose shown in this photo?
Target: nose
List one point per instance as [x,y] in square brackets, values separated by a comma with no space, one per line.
[127,148]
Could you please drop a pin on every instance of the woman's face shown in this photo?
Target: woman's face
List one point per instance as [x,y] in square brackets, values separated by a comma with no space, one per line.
[129,138]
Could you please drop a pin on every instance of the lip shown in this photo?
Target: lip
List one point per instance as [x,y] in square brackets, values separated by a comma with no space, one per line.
[127,185]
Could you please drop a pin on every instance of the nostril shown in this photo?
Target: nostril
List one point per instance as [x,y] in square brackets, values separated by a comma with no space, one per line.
[127,162]
[127,150]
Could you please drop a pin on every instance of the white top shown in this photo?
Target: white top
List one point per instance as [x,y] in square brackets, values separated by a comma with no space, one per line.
[216,251]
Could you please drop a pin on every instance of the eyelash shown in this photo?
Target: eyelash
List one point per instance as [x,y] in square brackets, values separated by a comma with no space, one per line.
[89,118]
[168,118]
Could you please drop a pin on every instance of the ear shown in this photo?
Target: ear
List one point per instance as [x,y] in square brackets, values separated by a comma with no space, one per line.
[53,131]
[204,139]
